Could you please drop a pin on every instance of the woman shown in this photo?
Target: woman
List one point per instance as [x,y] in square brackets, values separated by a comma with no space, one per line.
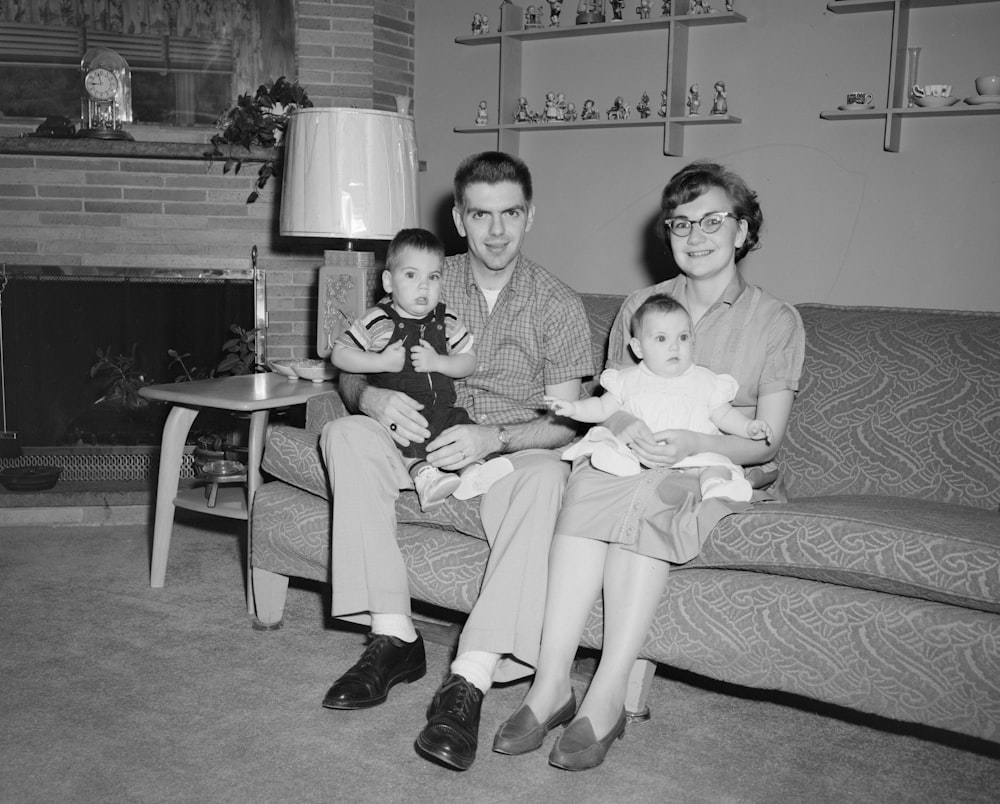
[621,534]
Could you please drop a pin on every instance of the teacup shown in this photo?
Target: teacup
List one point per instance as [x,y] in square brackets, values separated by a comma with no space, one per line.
[859,98]
[932,91]
[988,85]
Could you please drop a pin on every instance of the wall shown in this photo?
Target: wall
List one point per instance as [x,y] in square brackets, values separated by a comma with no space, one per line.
[846,222]
[188,214]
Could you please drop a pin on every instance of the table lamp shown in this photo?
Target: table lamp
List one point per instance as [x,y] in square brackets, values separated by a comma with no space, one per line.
[350,174]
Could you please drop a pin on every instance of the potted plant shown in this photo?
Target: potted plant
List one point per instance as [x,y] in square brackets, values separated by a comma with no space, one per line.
[258,120]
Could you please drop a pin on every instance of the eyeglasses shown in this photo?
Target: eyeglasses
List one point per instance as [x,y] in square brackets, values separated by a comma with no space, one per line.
[709,224]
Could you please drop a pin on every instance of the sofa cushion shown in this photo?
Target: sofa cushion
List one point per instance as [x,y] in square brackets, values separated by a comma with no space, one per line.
[897,402]
[292,454]
[934,551]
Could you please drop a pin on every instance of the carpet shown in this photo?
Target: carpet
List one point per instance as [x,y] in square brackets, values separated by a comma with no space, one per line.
[115,692]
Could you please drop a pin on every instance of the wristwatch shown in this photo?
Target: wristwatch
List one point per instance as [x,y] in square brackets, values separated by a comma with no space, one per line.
[504,438]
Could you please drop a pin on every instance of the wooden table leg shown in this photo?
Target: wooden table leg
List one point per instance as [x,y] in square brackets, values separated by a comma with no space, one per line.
[175,432]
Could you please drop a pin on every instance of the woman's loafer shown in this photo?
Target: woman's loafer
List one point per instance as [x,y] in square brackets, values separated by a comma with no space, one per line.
[578,747]
[522,732]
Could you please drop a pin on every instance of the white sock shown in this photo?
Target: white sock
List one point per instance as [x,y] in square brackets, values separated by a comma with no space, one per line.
[476,667]
[394,625]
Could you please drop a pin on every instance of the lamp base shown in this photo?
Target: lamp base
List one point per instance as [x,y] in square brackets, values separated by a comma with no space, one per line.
[349,283]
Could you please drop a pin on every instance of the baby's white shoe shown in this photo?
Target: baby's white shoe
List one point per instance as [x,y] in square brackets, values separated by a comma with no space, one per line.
[738,489]
[434,486]
[478,478]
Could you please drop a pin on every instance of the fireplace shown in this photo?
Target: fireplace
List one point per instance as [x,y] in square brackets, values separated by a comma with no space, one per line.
[55,319]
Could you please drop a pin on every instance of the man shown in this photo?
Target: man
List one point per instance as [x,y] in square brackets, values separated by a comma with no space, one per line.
[532,338]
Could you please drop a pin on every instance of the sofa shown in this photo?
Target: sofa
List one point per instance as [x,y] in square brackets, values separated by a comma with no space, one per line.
[872,582]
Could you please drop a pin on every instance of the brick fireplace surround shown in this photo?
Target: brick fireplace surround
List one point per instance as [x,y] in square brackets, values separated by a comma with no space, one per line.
[159,203]
[158,206]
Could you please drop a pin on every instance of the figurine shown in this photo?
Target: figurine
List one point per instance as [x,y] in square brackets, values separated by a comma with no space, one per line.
[589,11]
[589,111]
[482,116]
[570,114]
[719,105]
[485,24]
[555,9]
[729,6]
[662,111]
[552,111]
[666,8]
[532,17]
[477,24]
[643,9]
[522,114]
[616,9]
[642,107]
[619,110]
[699,7]
[693,101]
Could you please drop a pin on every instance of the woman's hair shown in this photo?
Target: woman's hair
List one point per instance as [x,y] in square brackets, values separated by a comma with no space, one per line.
[657,303]
[420,239]
[491,167]
[695,180]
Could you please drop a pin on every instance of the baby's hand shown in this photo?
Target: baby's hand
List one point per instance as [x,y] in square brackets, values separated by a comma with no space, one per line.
[561,407]
[393,357]
[759,430]
[424,357]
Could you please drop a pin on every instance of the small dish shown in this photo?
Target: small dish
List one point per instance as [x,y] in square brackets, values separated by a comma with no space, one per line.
[283,367]
[981,100]
[855,107]
[934,102]
[223,469]
[30,478]
[314,370]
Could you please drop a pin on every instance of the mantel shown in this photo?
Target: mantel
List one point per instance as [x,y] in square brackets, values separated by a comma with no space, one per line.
[128,149]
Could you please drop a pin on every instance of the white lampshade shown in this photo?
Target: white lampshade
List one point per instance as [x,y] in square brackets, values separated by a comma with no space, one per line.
[349,173]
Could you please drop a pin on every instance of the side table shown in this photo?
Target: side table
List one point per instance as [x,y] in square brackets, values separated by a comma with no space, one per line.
[256,394]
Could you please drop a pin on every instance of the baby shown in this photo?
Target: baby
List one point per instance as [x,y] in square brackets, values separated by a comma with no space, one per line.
[410,342]
[667,391]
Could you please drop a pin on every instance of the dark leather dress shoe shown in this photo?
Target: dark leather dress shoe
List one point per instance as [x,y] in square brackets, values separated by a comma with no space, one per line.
[386,662]
[578,747]
[452,731]
[522,732]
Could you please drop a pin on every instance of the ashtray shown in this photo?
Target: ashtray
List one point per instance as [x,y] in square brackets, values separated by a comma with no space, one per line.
[222,469]
[30,478]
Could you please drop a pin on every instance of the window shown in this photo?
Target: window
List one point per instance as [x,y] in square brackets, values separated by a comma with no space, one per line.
[189,59]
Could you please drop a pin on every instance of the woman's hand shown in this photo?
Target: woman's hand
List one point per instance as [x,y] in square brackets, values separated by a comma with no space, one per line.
[665,448]
[397,412]
[461,445]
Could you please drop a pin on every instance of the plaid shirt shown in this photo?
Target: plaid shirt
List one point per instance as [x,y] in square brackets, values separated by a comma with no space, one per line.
[537,335]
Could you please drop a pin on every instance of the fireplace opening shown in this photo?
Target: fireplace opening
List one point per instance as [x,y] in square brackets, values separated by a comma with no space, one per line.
[56,319]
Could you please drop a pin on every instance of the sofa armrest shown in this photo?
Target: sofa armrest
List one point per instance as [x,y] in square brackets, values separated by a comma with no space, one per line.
[323,408]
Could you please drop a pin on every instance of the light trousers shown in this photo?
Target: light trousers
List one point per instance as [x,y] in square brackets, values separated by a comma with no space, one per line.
[518,514]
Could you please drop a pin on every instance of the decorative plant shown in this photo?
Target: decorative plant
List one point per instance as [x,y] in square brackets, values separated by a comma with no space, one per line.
[240,352]
[120,378]
[259,119]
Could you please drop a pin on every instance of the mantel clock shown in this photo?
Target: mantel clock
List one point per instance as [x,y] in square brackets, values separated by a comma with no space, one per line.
[106,96]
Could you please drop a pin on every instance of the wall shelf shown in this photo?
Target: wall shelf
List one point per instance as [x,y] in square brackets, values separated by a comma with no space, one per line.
[897,110]
[513,37]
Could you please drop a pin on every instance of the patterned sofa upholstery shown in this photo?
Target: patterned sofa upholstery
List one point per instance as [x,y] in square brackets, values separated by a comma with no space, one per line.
[874,586]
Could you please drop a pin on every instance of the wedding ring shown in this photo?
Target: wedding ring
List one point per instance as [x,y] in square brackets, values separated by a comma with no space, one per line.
[393,427]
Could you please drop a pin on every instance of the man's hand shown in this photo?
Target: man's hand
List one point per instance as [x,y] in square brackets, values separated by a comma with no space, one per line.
[461,445]
[396,411]
[424,358]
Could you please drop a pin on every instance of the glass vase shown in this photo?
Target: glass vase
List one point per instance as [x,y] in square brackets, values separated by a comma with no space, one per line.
[912,62]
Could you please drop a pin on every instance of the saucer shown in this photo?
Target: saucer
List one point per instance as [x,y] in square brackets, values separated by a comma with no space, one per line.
[934,102]
[978,100]
[855,107]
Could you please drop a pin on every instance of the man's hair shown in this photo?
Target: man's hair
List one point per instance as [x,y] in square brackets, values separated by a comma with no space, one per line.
[420,239]
[657,303]
[491,167]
